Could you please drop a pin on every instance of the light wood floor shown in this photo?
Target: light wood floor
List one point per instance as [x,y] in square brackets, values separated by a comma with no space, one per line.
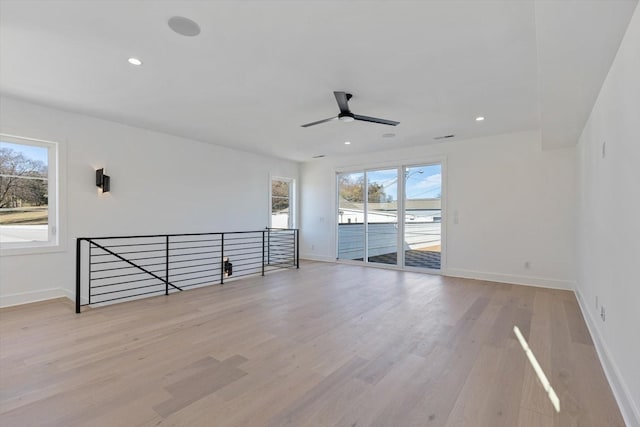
[321,346]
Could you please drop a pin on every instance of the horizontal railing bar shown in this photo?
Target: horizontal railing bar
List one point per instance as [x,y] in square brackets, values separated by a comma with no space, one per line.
[194,266]
[280,257]
[238,258]
[128,296]
[255,253]
[193,247]
[230,242]
[123,275]
[238,251]
[240,242]
[176,242]
[135,244]
[125,282]
[196,253]
[132,259]
[196,278]
[126,290]
[195,272]
[217,259]
[246,266]
[122,268]
[171,235]
[130,252]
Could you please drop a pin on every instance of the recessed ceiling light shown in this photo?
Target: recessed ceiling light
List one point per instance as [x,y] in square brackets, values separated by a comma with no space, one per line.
[134,61]
[347,143]
[479,119]
[184,26]
[388,135]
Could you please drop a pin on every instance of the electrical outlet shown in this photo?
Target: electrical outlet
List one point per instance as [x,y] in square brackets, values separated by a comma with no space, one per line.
[602,313]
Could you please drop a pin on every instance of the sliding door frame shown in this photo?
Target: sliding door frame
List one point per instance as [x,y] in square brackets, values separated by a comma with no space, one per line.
[400,166]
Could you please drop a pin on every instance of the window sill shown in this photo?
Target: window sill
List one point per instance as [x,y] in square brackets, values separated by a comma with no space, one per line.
[30,250]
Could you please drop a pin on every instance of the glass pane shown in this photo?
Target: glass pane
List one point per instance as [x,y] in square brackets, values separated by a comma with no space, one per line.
[423,216]
[24,193]
[280,204]
[351,216]
[279,188]
[382,216]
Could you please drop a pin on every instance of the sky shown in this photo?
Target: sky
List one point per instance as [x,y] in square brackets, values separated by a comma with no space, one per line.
[422,181]
[31,151]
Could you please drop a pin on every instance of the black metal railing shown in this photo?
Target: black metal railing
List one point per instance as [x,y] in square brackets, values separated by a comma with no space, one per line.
[110,269]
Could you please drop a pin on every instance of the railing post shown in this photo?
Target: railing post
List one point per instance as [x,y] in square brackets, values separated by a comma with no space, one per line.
[166,269]
[263,252]
[78,271]
[89,270]
[222,258]
[297,244]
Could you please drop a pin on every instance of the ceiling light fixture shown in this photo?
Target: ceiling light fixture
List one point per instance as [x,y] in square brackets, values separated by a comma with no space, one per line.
[134,61]
[479,119]
[184,26]
[347,143]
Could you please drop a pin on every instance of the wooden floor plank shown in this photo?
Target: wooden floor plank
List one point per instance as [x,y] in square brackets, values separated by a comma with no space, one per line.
[328,344]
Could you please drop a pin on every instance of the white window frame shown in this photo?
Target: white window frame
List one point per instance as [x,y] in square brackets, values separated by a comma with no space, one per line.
[292,199]
[54,242]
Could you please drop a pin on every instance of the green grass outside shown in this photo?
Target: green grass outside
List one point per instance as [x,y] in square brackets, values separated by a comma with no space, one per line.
[25,216]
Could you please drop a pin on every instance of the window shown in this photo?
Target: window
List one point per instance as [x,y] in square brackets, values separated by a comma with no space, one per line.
[282,211]
[28,193]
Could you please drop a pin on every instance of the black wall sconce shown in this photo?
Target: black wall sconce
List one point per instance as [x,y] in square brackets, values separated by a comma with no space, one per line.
[103,181]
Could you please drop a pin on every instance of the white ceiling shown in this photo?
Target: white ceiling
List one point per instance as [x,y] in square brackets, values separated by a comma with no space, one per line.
[260,69]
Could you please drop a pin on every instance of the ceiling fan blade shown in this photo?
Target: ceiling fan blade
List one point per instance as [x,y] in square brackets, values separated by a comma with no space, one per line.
[342,99]
[319,121]
[375,120]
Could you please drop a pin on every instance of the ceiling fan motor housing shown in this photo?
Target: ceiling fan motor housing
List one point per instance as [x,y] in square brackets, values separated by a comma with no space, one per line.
[346,117]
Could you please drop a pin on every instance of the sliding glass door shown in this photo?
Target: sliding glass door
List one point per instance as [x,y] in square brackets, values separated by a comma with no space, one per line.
[351,208]
[382,216]
[391,216]
[423,216]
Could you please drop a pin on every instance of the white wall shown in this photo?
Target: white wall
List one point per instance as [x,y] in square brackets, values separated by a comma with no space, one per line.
[159,184]
[609,223]
[514,203]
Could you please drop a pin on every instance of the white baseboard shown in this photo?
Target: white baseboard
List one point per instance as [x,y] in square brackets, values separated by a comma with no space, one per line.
[32,296]
[628,408]
[511,278]
[311,257]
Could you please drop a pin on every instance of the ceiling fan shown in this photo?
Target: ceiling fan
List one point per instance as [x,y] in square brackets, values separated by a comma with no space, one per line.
[347,116]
